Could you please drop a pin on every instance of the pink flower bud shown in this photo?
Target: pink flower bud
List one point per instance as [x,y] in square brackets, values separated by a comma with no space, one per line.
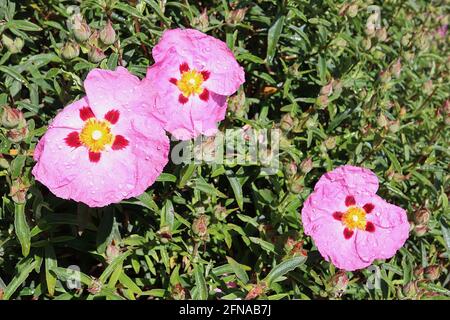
[80,29]
[107,34]
[96,55]
[11,118]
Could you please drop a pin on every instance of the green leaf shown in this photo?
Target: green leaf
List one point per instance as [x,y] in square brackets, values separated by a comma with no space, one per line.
[272,38]
[22,228]
[186,174]
[238,270]
[237,188]
[17,166]
[200,283]
[14,74]
[50,264]
[20,278]
[167,215]
[284,267]
[23,25]
[264,244]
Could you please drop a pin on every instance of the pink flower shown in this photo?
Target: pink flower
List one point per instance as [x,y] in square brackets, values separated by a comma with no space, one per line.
[351,225]
[105,147]
[193,74]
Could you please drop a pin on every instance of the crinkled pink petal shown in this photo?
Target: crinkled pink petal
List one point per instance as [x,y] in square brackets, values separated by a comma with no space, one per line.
[71,116]
[391,232]
[329,240]
[322,203]
[108,90]
[204,52]
[183,120]
[355,180]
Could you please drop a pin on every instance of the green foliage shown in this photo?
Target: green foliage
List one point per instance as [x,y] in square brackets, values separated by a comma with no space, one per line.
[340,90]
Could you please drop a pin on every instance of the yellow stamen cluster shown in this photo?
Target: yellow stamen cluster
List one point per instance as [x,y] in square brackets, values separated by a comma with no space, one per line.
[190,83]
[96,135]
[354,217]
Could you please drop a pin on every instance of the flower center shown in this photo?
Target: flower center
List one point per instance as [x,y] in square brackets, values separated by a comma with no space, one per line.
[96,134]
[190,83]
[354,217]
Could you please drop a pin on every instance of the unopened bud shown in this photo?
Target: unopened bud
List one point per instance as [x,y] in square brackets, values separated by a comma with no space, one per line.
[306,165]
[80,29]
[178,292]
[107,34]
[96,55]
[296,184]
[339,283]
[236,16]
[17,135]
[352,10]
[70,50]
[381,34]
[410,289]
[366,43]
[18,190]
[432,272]
[291,169]
[385,76]
[11,118]
[322,101]
[202,21]
[112,252]
[95,287]
[327,90]
[286,122]
[394,126]
[4,164]
[330,143]
[165,235]
[422,216]
[200,226]
[256,291]
[13,46]
[420,230]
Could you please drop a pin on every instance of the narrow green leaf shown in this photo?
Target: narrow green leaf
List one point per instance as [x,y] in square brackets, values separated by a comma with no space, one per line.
[22,228]
[237,269]
[283,268]
[200,282]
[273,37]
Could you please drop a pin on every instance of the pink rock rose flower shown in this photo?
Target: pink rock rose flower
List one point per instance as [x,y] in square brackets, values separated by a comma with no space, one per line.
[351,225]
[105,147]
[193,74]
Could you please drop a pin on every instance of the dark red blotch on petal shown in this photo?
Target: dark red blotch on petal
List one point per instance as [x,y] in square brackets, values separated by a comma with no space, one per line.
[204,95]
[119,143]
[112,116]
[338,215]
[94,156]
[182,99]
[370,227]
[205,75]
[86,113]
[350,201]
[368,207]
[184,67]
[173,80]
[348,233]
[73,140]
